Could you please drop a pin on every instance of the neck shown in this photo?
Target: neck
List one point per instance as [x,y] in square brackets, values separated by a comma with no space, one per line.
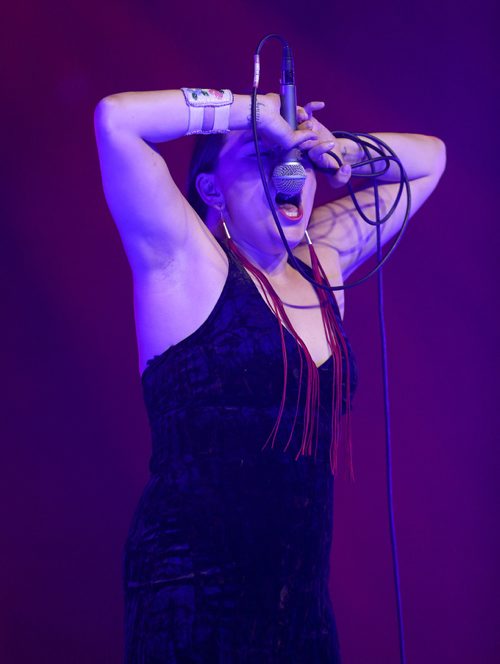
[272,263]
[272,259]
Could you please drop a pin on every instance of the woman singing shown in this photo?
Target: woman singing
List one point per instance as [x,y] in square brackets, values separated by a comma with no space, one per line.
[246,371]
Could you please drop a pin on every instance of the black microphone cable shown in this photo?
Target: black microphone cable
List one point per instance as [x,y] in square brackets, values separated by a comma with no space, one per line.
[378,148]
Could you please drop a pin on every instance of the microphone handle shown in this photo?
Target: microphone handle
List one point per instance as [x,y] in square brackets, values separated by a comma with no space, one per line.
[288,99]
[288,111]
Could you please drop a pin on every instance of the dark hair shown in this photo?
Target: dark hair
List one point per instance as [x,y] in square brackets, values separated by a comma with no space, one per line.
[203,160]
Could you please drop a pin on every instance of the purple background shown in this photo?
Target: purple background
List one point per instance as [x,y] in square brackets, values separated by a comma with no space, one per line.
[76,440]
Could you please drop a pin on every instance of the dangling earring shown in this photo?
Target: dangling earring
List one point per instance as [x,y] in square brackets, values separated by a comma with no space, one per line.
[340,422]
[223,222]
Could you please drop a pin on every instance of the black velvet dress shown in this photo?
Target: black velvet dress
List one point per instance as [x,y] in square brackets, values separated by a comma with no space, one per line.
[227,556]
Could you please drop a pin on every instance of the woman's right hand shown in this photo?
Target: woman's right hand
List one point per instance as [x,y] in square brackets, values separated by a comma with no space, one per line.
[275,129]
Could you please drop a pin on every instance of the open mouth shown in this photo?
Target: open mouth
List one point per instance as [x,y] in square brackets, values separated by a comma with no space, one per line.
[290,206]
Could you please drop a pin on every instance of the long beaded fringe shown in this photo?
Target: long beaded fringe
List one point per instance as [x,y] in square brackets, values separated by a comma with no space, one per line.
[340,424]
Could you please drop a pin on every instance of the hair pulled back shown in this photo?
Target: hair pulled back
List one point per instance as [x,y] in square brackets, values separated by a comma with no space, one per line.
[203,160]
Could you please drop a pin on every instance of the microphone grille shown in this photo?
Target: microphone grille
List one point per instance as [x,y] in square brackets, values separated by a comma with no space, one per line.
[289,178]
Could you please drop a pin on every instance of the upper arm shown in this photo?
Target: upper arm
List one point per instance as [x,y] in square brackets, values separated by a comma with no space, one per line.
[339,225]
[152,216]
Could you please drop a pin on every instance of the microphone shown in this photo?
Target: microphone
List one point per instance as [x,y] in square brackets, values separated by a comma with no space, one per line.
[289,177]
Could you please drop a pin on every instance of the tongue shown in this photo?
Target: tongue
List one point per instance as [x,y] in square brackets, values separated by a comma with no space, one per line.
[288,207]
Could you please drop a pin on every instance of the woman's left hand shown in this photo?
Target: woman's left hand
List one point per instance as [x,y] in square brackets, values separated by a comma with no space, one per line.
[317,149]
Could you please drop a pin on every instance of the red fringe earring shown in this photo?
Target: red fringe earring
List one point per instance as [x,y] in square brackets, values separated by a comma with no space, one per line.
[337,346]
[311,408]
[341,424]
[275,306]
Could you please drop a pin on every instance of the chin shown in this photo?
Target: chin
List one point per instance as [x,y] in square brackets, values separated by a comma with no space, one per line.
[294,232]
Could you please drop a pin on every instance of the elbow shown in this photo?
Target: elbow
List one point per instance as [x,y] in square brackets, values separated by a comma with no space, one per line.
[105,111]
[439,156]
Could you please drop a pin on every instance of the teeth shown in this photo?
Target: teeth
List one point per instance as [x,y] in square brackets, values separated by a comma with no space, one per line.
[290,210]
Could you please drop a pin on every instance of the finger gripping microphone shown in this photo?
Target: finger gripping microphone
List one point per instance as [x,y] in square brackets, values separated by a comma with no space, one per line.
[289,177]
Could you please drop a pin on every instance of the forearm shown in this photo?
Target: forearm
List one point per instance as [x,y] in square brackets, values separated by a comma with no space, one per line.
[161,115]
[420,155]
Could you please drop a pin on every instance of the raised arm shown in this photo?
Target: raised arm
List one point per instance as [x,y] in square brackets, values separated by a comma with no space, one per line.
[154,219]
[338,225]
[157,225]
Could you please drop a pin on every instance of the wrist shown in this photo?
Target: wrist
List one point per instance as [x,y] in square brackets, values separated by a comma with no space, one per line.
[240,116]
[209,110]
[350,151]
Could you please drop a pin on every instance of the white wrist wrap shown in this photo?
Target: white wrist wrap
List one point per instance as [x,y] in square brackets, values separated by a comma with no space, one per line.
[208,110]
